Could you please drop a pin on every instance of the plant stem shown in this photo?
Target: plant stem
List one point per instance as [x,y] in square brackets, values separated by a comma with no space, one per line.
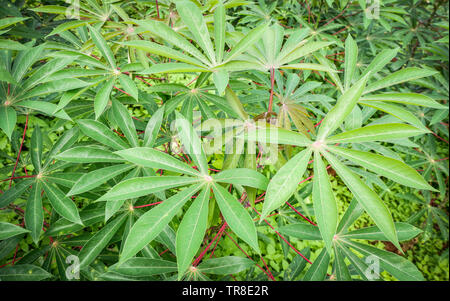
[20,150]
[157,8]
[272,81]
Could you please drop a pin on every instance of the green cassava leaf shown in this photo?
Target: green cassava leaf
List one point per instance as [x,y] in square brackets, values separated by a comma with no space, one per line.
[351,56]
[285,182]
[150,224]
[34,214]
[61,203]
[153,127]
[125,122]
[325,207]
[8,118]
[149,157]
[242,176]
[85,154]
[404,232]
[369,200]
[191,231]
[137,187]
[193,18]
[99,241]
[98,131]
[9,230]
[225,265]
[378,132]
[236,217]
[102,97]
[399,77]
[391,168]
[141,266]
[192,143]
[102,46]
[97,177]
[318,270]
[398,266]
[23,272]
[343,107]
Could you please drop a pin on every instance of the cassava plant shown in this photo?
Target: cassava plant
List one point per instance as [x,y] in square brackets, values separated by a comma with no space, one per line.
[222,140]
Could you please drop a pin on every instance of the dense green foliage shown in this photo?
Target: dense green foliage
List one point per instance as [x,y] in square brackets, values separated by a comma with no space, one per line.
[224,140]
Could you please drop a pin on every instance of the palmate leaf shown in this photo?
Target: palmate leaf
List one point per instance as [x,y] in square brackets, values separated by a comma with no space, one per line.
[196,61]
[277,136]
[23,272]
[399,267]
[148,157]
[318,270]
[285,182]
[141,266]
[405,232]
[113,172]
[8,118]
[86,154]
[398,77]
[325,208]
[61,203]
[8,230]
[99,241]
[137,187]
[193,18]
[102,97]
[384,166]
[236,217]
[343,107]
[191,142]
[340,268]
[191,231]
[268,53]
[378,132]
[98,131]
[351,56]
[153,127]
[102,46]
[369,200]
[125,122]
[97,177]
[225,265]
[242,176]
[150,224]
[404,98]
[36,149]
[34,214]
